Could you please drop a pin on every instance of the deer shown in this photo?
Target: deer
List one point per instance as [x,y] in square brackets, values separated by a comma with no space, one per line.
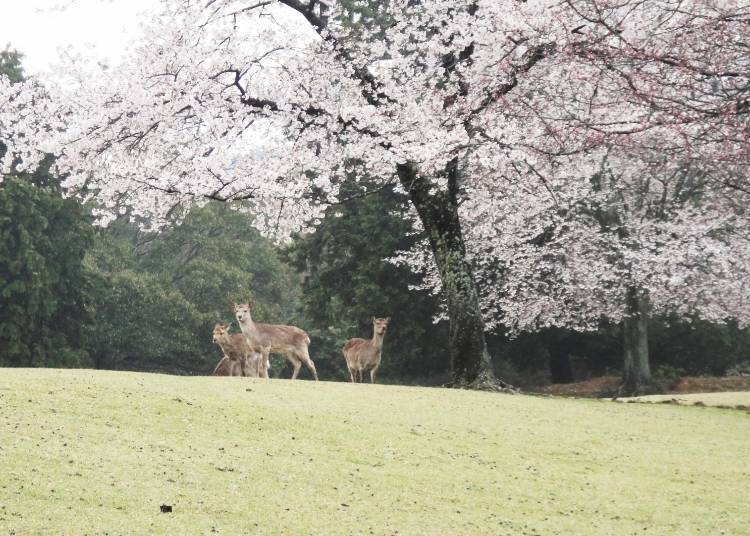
[290,341]
[237,349]
[227,367]
[362,355]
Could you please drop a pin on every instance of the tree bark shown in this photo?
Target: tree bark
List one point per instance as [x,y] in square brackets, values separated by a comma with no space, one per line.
[636,368]
[560,366]
[438,211]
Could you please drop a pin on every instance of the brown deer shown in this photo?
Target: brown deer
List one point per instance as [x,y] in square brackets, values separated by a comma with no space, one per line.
[290,341]
[237,349]
[227,367]
[362,355]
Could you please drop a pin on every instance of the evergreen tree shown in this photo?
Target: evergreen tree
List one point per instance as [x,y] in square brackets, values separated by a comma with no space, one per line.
[160,294]
[347,282]
[43,284]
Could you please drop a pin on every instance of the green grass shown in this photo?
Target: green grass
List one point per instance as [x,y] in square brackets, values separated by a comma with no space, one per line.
[84,452]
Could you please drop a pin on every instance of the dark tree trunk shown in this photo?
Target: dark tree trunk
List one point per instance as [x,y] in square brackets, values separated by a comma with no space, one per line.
[636,369]
[438,211]
[560,367]
[560,345]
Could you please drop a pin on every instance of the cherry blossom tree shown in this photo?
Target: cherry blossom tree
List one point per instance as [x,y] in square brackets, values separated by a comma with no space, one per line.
[274,101]
[627,249]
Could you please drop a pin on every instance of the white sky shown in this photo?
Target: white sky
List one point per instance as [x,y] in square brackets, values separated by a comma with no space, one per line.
[99,28]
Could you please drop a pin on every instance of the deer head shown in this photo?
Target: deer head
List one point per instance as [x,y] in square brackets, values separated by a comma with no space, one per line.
[221,331]
[242,310]
[380,324]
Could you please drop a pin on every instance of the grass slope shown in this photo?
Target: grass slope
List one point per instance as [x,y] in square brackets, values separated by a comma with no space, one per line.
[99,452]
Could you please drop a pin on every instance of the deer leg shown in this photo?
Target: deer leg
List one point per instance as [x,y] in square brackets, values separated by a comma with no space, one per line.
[305,358]
[372,374]
[349,367]
[264,362]
[297,364]
[257,360]
[311,366]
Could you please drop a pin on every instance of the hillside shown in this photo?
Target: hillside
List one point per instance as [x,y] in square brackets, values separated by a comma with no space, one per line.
[93,452]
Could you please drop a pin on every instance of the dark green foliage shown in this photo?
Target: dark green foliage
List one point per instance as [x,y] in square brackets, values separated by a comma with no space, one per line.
[161,294]
[371,14]
[43,285]
[678,347]
[697,347]
[142,324]
[347,282]
[10,64]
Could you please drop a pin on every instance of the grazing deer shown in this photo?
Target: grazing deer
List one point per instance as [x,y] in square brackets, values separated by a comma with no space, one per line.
[236,348]
[290,341]
[362,355]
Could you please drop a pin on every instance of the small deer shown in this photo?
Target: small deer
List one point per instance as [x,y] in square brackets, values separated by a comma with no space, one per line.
[290,341]
[237,349]
[362,355]
[227,367]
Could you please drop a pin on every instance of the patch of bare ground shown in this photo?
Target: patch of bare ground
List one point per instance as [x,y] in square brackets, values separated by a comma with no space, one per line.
[605,386]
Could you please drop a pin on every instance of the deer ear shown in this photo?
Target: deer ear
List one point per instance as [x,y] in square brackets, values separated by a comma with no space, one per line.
[233,306]
[387,319]
[374,319]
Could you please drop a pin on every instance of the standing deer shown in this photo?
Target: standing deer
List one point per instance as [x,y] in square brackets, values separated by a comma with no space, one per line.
[362,355]
[238,350]
[227,367]
[290,341]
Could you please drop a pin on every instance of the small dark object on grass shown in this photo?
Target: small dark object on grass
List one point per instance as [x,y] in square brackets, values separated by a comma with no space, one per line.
[698,403]
[166,508]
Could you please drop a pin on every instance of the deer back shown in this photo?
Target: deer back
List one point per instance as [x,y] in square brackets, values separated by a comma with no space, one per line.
[278,337]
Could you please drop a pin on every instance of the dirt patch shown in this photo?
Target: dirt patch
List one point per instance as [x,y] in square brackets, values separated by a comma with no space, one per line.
[711,385]
[607,385]
[593,388]
[724,399]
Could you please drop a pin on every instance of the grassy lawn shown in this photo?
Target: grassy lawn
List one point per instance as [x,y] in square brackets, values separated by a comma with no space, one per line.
[99,452]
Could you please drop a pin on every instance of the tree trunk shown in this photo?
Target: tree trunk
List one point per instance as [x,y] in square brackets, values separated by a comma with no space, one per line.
[560,345]
[560,366]
[438,211]
[636,369]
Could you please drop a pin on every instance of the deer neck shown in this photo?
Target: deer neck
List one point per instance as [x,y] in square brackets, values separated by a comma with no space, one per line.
[248,327]
[225,342]
[377,340]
